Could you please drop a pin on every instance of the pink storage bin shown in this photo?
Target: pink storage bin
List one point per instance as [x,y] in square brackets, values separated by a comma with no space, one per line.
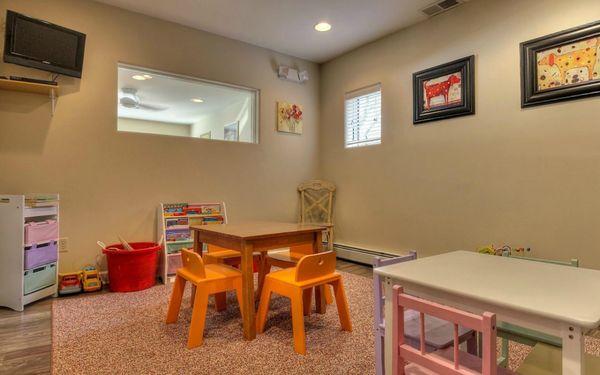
[41,231]
[39,254]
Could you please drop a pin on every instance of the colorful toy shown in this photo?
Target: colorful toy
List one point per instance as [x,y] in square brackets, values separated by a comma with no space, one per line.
[490,250]
[505,250]
[90,279]
[69,283]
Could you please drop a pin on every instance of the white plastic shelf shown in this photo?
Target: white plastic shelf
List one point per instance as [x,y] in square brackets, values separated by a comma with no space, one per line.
[30,212]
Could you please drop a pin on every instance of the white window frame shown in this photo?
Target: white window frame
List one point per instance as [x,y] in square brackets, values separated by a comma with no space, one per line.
[350,99]
[255,102]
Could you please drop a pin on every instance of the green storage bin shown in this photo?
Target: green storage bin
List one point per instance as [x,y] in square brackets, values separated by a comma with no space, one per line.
[175,247]
[39,278]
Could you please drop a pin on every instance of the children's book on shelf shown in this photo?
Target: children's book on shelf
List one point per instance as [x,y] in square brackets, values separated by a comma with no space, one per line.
[174,221]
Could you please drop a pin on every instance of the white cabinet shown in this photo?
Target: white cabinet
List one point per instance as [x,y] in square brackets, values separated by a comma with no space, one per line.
[39,213]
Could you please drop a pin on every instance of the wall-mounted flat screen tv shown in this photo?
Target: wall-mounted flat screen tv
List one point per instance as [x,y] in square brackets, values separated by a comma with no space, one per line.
[42,45]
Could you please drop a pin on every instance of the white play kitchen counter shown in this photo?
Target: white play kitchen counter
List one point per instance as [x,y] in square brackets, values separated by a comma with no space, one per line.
[558,300]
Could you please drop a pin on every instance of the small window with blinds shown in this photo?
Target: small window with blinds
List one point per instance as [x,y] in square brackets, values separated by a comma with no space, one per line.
[363,117]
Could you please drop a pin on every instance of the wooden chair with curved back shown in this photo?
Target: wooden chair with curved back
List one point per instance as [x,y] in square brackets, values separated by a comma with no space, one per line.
[296,283]
[316,206]
[208,279]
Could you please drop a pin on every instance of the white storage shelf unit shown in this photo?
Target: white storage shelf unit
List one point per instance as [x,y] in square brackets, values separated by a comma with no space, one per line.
[174,220]
[20,286]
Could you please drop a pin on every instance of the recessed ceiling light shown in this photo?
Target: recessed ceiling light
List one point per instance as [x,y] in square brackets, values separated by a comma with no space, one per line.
[322,26]
[147,76]
[198,100]
[139,77]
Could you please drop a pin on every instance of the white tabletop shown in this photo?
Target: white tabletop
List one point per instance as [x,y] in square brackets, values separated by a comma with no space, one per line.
[566,294]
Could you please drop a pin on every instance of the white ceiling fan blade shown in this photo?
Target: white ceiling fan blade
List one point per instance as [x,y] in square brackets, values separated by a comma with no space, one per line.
[151,107]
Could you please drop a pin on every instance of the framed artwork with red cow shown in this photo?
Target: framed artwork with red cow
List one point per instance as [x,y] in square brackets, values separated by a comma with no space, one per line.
[561,66]
[444,91]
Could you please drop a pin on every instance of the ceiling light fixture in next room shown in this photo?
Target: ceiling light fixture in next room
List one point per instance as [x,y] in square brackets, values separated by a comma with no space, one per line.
[323,26]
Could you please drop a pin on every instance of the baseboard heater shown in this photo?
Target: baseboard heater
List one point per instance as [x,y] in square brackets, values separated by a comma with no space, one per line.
[358,255]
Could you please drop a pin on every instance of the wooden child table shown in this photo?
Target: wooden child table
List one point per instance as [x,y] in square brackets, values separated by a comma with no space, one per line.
[251,237]
[558,300]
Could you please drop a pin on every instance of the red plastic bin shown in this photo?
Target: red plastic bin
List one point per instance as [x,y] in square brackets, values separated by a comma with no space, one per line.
[130,271]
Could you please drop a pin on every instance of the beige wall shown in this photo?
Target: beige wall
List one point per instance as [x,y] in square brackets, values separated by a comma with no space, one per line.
[505,175]
[153,127]
[111,182]
[526,177]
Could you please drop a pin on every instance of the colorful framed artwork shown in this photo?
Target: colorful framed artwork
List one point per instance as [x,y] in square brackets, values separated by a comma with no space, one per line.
[289,118]
[231,132]
[561,66]
[444,91]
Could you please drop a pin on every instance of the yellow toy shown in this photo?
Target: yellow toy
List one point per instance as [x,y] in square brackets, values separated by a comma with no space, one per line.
[90,279]
[487,250]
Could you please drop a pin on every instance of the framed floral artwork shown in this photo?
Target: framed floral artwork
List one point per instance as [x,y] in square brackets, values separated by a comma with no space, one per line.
[289,118]
[561,66]
[444,91]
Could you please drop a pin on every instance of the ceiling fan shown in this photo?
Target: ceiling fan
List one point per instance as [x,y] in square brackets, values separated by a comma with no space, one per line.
[129,99]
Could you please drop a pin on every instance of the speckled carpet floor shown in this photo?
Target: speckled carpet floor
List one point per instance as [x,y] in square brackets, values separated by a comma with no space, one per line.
[125,333]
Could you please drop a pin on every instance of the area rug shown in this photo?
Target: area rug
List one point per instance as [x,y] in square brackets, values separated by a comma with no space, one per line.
[125,333]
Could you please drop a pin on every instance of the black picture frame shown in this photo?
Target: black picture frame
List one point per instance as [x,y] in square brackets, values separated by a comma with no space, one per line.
[530,94]
[466,66]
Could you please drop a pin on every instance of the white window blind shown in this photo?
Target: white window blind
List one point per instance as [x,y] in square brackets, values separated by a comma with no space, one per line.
[363,117]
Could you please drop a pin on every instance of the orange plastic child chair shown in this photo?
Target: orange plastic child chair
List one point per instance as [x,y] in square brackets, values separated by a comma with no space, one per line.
[208,279]
[296,283]
[217,254]
[284,258]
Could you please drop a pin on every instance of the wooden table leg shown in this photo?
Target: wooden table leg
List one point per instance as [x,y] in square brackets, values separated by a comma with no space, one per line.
[330,239]
[248,291]
[197,249]
[197,243]
[263,269]
[321,304]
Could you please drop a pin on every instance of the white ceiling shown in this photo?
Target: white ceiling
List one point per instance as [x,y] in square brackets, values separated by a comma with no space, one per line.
[287,26]
[175,95]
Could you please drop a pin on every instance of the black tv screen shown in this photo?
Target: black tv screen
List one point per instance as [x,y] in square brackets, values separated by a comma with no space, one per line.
[42,45]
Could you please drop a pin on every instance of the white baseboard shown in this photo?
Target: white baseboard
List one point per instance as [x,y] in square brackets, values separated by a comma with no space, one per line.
[359,255]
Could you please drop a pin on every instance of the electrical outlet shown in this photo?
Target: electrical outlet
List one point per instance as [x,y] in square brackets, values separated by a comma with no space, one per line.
[63,245]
